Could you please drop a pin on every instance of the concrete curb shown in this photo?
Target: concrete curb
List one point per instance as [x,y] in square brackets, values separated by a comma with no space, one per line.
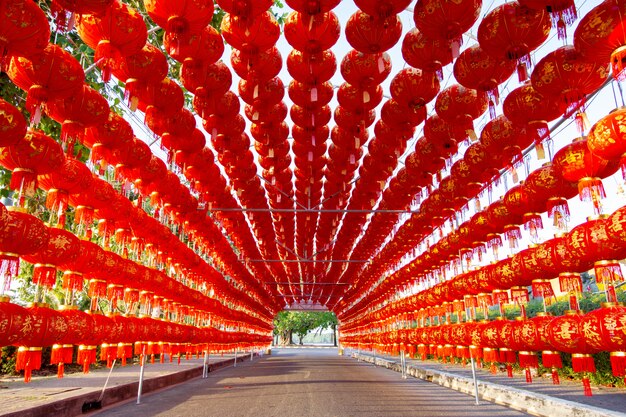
[74,406]
[521,400]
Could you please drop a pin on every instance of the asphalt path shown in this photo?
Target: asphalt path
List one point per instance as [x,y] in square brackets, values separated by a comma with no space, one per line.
[307,382]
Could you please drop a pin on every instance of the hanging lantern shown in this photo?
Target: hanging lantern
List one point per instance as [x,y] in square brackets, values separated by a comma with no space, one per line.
[426,54]
[312,34]
[576,163]
[14,321]
[258,67]
[562,12]
[24,30]
[35,154]
[459,105]
[48,327]
[370,34]
[477,70]
[565,74]
[414,88]
[526,107]
[312,68]
[76,113]
[606,138]
[180,17]
[247,9]
[12,124]
[511,32]
[253,36]
[364,69]
[119,32]
[148,65]
[52,74]
[603,43]
[567,335]
[609,321]
[447,20]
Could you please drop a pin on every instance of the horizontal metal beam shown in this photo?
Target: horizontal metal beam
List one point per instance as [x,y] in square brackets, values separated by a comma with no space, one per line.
[303,210]
[343,261]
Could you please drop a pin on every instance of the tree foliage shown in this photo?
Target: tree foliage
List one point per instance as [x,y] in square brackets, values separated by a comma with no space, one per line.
[288,323]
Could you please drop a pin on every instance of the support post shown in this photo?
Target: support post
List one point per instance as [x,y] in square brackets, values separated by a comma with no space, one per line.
[141,372]
[251,354]
[474,377]
[235,364]
[205,368]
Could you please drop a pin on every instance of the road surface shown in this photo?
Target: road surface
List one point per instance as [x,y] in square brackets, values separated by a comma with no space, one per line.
[307,382]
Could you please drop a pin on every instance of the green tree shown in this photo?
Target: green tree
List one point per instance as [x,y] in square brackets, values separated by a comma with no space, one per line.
[300,323]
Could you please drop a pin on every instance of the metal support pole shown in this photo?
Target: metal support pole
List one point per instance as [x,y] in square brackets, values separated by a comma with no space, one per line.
[474,378]
[251,354]
[141,372]
[205,368]
[235,364]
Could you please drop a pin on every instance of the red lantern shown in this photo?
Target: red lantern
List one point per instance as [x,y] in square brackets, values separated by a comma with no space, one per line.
[52,74]
[386,9]
[119,32]
[253,36]
[606,138]
[36,154]
[610,321]
[78,112]
[426,54]
[204,47]
[258,67]
[24,30]
[312,68]
[475,69]
[369,34]
[511,32]
[12,124]
[312,34]
[414,88]
[565,74]
[180,17]
[149,65]
[525,106]
[446,20]
[602,43]
[313,6]
[80,327]
[246,9]
[14,321]
[460,106]
[363,69]
[562,12]
[576,163]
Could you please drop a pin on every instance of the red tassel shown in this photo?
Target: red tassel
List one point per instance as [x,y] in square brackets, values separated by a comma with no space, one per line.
[618,363]
[583,363]
[493,368]
[555,377]
[522,72]
[529,377]
[509,370]
[528,360]
[27,360]
[587,387]
[86,356]
[45,275]
[24,181]
[551,359]
[61,370]
[105,59]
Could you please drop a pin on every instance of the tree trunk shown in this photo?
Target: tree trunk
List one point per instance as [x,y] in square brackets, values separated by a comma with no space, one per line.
[290,337]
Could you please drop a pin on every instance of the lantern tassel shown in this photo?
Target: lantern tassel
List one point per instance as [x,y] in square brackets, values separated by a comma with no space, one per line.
[618,363]
[587,387]
[509,370]
[555,377]
[27,360]
[529,376]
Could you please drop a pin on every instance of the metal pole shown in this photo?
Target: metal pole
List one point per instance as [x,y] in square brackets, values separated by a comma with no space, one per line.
[205,368]
[141,372]
[251,354]
[474,377]
[235,364]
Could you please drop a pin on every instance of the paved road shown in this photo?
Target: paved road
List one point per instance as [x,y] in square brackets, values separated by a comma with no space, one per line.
[307,382]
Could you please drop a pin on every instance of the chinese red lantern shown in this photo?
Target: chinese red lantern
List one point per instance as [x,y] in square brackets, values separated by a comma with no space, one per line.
[24,30]
[52,74]
[475,69]
[119,32]
[460,106]
[369,34]
[180,17]
[312,68]
[80,327]
[203,47]
[525,106]
[567,335]
[149,65]
[14,322]
[363,69]
[35,154]
[446,20]
[48,326]
[414,88]
[565,74]
[562,12]
[607,334]
[603,42]
[576,163]
[425,53]
[312,34]
[258,67]
[606,138]
[251,36]
[12,124]
[246,9]
[512,31]
[76,113]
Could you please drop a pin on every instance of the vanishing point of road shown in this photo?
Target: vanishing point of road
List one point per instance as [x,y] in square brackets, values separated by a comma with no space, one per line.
[307,382]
